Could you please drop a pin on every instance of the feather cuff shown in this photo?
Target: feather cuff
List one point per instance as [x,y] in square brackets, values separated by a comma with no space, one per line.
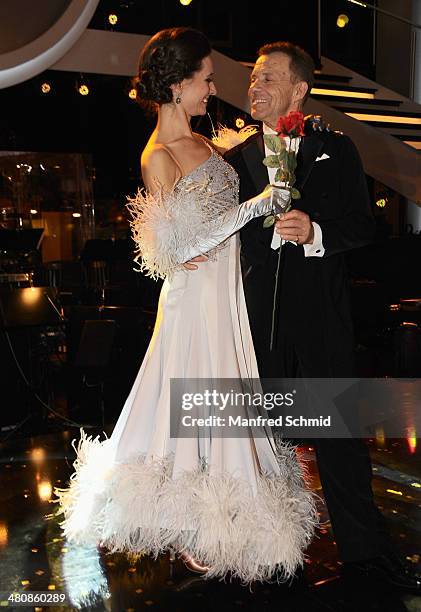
[169,225]
[227,138]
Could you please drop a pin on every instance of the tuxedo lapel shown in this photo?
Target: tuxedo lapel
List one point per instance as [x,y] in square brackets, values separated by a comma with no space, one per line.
[254,152]
[253,155]
[309,151]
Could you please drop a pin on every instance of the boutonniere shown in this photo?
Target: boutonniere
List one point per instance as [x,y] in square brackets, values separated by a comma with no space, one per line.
[316,124]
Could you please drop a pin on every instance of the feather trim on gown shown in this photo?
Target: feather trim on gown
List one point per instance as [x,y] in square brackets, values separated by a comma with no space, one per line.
[226,138]
[138,506]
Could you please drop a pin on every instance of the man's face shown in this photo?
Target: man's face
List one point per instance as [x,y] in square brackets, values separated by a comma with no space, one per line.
[272,91]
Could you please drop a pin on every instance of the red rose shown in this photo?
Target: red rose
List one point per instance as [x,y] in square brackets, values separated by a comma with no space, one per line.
[292,125]
[280,126]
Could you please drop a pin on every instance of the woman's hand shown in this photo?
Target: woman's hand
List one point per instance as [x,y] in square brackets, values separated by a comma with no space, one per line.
[189,265]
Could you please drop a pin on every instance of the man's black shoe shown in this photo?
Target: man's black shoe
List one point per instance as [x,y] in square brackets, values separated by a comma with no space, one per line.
[388,569]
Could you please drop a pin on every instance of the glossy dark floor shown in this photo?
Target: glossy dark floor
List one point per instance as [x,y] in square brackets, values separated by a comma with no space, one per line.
[35,557]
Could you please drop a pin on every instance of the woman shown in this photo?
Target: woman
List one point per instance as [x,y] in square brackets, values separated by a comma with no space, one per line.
[233,505]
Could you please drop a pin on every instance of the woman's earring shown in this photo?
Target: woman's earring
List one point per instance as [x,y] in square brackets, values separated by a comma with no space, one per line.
[178,100]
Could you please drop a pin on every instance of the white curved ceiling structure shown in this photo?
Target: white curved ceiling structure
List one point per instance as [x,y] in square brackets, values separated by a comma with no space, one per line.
[33,39]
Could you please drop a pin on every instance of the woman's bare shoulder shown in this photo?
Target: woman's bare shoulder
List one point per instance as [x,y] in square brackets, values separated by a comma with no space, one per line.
[155,155]
[158,165]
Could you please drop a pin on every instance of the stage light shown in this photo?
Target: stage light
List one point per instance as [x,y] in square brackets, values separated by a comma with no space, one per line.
[83,90]
[381,202]
[46,88]
[185,2]
[412,447]
[239,122]
[33,211]
[380,436]
[76,215]
[30,296]
[133,94]
[342,20]
[45,490]
[38,455]
[112,19]
[4,534]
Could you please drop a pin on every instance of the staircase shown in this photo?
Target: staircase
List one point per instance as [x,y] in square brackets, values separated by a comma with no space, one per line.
[385,126]
[366,101]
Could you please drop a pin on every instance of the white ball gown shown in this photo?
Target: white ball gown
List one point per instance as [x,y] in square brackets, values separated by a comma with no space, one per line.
[239,505]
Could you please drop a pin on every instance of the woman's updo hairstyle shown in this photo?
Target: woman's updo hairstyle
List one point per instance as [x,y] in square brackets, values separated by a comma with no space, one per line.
[169,57]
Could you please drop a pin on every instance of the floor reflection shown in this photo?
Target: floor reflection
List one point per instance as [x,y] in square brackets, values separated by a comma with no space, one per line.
[34,556]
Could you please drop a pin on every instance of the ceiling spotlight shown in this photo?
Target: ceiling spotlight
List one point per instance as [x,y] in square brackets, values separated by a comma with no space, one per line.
[133,93]
[76,215]
[112,19]
[383,197]
[342,21]
[83,90]
[239,122]
[33,211]
[185,2]
[46,88]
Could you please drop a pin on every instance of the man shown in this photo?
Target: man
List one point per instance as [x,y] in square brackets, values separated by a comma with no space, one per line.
[314,337]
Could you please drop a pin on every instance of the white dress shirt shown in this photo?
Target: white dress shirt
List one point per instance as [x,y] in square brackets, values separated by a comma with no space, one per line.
[310,250]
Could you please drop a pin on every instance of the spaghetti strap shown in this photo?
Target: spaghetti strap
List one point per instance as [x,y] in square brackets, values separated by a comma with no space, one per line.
[171,154]
[207,143]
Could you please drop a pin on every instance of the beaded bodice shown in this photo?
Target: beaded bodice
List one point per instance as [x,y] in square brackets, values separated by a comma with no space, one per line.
[220,179]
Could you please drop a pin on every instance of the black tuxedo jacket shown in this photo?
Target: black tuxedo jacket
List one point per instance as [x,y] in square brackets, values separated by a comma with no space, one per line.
[313,301]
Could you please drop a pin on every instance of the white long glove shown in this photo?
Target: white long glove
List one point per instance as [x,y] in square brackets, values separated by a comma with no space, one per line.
[281,199]
[279,209]
[169,229]
[224,226]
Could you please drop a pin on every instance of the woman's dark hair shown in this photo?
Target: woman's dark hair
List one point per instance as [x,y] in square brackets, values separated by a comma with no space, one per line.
[301,64]
[167,58]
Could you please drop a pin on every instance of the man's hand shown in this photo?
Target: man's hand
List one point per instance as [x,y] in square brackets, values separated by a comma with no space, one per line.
[189,265]
[295,225]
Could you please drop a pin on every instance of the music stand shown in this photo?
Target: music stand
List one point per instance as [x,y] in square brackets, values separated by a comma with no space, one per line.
[26,309]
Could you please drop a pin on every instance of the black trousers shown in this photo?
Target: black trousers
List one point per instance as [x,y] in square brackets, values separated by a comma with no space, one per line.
[344,464]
